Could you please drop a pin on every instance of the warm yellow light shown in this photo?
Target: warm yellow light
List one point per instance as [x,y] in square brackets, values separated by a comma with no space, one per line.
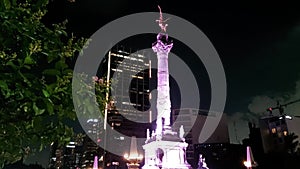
[285,133]
[247,164]
[273,130]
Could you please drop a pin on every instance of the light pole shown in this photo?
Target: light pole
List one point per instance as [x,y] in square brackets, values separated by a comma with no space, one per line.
[106,106]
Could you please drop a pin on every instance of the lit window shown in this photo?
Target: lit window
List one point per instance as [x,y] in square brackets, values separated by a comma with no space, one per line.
[273,130]
[285,133]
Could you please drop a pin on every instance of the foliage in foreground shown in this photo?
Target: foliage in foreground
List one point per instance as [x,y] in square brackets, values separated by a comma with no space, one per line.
[35,80]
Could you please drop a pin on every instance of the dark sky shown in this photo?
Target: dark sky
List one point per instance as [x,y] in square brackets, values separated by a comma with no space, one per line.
[257,41]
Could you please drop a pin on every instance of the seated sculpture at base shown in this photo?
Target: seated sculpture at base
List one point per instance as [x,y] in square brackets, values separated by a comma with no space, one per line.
[202,164]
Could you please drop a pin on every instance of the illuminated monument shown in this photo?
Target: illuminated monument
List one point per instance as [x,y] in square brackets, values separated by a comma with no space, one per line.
[164,148]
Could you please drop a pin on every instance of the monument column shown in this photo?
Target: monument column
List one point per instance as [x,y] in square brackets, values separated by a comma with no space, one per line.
[162,48]
[164,149]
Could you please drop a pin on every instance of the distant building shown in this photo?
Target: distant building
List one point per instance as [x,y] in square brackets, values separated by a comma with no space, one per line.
[221,155]
[65,157]
[255,142]
[72,155]
[59,158]
[52,156]
[94,129]
[273,131]
[194,119]
[90,150]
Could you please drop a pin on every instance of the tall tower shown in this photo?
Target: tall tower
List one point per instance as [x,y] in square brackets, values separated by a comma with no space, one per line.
[162,48]
[164,148]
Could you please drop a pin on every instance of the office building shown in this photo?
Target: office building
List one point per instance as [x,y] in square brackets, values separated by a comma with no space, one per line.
[130,75]
[128,112]
[89,150]
[68,156]
[273,131]
[194,119]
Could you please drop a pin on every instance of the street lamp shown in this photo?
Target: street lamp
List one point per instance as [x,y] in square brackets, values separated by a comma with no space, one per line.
[133,161]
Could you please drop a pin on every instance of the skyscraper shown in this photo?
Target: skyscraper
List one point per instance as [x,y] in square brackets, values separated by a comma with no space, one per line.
[128,111]
[130,75]
[130,86]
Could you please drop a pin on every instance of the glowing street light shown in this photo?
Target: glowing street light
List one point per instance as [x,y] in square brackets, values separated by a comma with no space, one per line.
[133,158]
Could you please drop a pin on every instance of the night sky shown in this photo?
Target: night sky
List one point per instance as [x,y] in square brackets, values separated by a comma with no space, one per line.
[258,43]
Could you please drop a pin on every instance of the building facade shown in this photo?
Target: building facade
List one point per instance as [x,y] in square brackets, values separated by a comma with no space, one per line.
[129,111]
[66,157]
[193,121]
[131,74]
[273,131]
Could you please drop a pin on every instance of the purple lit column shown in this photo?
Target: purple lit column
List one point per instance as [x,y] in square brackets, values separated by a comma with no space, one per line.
[162,48]
[95,165]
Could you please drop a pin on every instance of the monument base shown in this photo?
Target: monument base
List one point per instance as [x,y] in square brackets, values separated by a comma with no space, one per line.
[163,154]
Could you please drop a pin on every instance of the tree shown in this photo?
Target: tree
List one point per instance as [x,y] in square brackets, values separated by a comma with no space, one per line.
[291,143]
[35,80]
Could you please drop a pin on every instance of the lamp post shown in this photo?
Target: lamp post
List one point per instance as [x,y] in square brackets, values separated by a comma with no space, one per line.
[133,159]
[106,107]
[133,162]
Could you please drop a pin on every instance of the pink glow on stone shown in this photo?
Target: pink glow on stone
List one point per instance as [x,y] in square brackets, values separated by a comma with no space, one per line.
[95,165]
[249,163]
[162,47]
[161,149]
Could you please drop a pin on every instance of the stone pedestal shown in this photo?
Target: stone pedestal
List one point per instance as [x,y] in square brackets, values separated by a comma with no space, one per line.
[166,153]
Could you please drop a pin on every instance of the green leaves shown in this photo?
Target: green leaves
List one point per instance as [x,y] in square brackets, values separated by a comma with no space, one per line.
[3,85]
[45,92]
[49,106]
[7,4]
[37,110]
[35,81]
[51,72]
[28,60]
